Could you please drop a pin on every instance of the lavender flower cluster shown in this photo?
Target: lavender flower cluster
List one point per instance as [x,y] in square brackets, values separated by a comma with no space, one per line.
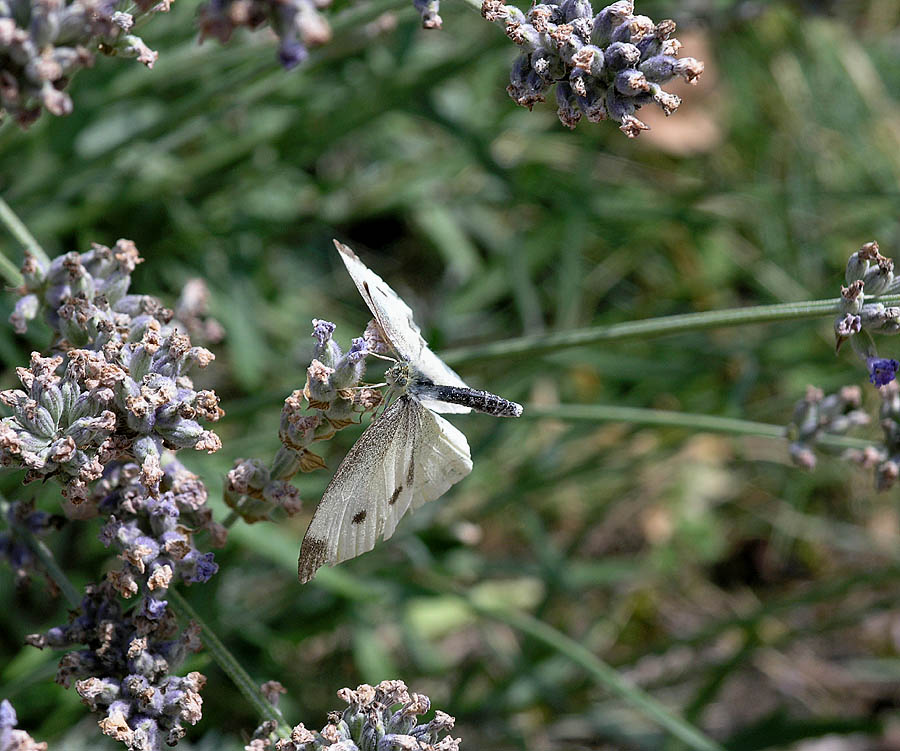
[12,739]
[816,415]
[43,43]
[123,672]
[125,391]
[868,273]
[330,401]
[605,66]
[103,415]
[370,723]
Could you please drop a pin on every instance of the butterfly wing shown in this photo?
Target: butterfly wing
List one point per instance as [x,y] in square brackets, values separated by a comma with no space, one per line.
[395,319]
[405,458]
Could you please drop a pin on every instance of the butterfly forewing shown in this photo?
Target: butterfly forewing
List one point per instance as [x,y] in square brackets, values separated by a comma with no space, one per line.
[395,319]
[405,458]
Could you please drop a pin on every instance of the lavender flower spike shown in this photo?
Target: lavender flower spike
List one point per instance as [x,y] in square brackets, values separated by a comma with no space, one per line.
[369,723]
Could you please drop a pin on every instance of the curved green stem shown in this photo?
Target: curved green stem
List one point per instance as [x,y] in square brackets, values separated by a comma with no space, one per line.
[607,676]
[677,324]
[18,230]
[604,674]
[638,416]
[45,556]
[230,666]
[10,272]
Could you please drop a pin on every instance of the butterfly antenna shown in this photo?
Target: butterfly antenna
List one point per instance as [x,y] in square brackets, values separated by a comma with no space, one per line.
[382,357]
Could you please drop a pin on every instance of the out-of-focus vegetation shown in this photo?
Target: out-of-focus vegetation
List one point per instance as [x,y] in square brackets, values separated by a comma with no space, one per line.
[758,601]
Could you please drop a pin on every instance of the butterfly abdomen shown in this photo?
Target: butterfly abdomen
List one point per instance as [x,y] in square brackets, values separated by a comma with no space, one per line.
[480,401]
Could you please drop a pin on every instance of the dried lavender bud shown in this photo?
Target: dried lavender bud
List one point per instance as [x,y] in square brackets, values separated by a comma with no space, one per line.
[604,66]
[845,327]
[873,269]
[526,86]
[43,43]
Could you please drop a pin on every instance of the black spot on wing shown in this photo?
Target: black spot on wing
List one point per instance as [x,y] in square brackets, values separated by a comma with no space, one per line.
[395,495]
[410,473]
[359,517]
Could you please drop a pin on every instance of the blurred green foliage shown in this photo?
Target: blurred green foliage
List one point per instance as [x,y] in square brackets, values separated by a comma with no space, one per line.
[759,601]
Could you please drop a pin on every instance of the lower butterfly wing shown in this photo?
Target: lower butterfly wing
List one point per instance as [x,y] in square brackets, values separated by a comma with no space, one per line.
[395,319]
[440,458]
[406,457]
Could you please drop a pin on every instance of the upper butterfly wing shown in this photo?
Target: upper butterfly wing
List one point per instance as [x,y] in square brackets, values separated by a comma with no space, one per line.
[405,458]
[395,318]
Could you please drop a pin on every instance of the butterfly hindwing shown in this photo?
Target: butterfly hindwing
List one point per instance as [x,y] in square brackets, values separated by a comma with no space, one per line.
[440,458]
[406,457]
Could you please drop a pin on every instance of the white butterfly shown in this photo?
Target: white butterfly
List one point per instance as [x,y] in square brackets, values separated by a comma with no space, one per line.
[407,456]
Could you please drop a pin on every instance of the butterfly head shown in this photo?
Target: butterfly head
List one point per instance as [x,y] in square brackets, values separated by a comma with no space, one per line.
[399,376]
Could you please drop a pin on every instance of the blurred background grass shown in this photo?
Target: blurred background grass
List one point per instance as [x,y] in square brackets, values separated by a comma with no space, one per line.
[759,601]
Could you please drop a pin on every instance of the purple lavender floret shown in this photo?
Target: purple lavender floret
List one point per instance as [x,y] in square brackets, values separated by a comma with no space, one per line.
[291,53]
[326,350]
[882,370]
[153,609]
[204,567]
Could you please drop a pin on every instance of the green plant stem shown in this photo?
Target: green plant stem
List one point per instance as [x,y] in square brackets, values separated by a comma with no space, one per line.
[230,666]
[638,416]
[18,230]
[677,324]
[10,273]
[600,671]
[45,556]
